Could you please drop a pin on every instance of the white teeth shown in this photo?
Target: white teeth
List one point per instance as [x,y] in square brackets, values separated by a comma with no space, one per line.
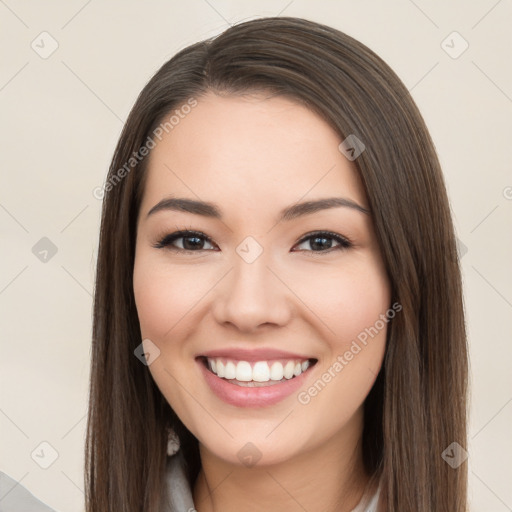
[220,369]
[261,371]
[243,371]
[288,370]
[276,372]
[230,370]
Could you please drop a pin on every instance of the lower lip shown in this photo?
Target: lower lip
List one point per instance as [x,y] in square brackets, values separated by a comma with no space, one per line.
[251,397]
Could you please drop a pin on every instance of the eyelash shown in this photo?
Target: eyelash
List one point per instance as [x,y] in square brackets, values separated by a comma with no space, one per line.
[166,241]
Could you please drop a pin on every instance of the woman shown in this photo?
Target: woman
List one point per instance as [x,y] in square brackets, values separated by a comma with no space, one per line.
[278,319]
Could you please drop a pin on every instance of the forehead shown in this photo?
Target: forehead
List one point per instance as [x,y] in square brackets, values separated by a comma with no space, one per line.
[253,150]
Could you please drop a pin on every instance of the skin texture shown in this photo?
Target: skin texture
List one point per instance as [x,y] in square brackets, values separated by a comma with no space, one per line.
[254,156]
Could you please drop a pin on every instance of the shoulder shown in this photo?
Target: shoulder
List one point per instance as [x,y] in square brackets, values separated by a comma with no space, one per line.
[15,498]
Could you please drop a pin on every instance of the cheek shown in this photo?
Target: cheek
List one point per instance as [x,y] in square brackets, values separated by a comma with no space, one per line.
[152,298]
[163,295]
[347,300]
[351,305]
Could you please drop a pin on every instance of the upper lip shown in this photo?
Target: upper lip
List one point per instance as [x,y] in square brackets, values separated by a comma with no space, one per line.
[253,355]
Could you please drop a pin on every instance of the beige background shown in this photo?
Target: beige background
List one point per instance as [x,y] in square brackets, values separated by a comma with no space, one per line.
[62,115]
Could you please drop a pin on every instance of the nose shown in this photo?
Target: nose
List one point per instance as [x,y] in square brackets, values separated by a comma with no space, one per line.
[252,296]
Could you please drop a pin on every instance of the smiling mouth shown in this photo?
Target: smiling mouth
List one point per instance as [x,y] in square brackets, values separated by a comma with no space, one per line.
[256,373]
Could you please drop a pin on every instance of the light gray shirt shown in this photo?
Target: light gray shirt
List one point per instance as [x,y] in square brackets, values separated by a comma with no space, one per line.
[179,494]
[15,498]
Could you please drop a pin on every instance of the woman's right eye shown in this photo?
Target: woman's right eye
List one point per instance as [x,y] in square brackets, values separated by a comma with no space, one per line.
[187,241]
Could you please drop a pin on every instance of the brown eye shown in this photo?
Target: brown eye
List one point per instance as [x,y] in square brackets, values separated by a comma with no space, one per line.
[324,241]
[192,241]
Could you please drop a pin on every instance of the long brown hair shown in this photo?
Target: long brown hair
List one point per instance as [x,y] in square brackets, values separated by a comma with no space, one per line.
[418,404]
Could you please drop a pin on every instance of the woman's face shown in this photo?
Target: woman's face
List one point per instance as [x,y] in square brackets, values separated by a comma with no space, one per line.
[259,295]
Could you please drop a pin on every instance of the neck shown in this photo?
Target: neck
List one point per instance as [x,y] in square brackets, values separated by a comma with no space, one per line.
[329,477]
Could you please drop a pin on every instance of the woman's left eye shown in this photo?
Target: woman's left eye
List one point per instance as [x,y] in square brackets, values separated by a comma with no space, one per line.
[194,241]
[322,241]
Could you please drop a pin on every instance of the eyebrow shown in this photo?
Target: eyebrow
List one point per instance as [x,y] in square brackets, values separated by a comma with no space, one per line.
[289,213]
